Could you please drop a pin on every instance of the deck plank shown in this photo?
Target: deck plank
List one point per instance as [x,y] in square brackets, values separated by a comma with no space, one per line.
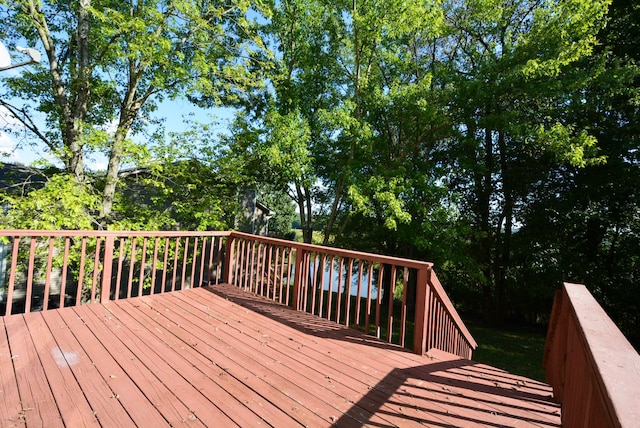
[292,356]
[189,384]
[36,398]
[297,352]
[217,356]
[513,403]
[10,408]
[235,357]
[108,410]
[207,377]
[70,400]
[344,364]
[150,374]
[123,388]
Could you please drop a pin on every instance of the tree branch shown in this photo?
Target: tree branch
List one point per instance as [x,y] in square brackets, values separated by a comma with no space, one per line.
[21,115]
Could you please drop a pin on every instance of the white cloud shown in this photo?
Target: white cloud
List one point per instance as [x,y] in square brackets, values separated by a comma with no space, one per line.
[7,145]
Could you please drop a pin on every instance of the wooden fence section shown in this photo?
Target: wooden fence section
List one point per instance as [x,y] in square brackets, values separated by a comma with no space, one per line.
[398,300]
[52,269]
[592,367]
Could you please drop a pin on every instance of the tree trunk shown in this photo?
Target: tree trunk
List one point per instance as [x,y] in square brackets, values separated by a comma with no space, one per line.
[72,114]
[304,208]
[505,256]
[111,178]
[485,183]
[130,107]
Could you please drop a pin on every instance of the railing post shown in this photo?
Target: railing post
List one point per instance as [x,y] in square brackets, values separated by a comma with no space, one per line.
[107,269]
[297,278]
[422,298]
[228,260]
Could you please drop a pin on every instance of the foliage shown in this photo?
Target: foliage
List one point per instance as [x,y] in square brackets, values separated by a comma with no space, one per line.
[108,63]
[280,225]
[60,204]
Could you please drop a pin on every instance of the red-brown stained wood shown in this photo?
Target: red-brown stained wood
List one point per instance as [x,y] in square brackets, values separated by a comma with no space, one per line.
[209,387]
[123,387]
[10,409]
[36,399]
[225,356]
[331,374]
[305,369]
[145,373]
[217,353]
[56,361]
[105,406]
[252,356]
[594,370]
[12,275]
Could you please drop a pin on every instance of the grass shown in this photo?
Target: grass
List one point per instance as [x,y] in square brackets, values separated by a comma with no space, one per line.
[317,236]
[518,350]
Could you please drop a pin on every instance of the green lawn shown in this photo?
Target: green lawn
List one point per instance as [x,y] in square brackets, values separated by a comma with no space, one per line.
[517,350]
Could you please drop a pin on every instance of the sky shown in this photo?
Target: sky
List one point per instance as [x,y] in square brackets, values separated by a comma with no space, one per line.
[175,113]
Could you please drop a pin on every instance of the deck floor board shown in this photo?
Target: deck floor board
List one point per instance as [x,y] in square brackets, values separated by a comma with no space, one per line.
[338,373]
[70,400]
[95,388]
[10,408]
[122,384]
[216,356]
[252,356]
[36,398]
[228,371]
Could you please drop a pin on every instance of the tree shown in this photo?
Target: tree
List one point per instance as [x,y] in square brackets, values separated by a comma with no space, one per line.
[591,214]
[111,62]
[513,67]
[331,60]
[279,132]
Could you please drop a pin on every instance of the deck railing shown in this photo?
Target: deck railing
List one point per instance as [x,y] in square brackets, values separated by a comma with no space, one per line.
[592,367]
[51,269]
[398,300]
[349,287]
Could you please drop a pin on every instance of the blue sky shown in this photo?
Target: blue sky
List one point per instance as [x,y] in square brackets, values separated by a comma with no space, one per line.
[175,112]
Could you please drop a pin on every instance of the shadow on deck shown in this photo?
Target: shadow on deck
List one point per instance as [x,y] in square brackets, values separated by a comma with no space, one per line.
[446,391]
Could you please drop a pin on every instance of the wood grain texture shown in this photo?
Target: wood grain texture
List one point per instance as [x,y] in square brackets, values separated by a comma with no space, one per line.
[217,356]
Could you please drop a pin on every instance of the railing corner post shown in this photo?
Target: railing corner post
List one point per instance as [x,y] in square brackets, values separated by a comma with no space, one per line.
[107,267]
[422,296]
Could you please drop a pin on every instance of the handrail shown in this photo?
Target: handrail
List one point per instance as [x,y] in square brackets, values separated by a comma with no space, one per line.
[336,251]
[592,367]
[114,233]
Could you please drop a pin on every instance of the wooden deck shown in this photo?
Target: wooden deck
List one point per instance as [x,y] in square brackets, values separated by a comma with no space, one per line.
[219,357]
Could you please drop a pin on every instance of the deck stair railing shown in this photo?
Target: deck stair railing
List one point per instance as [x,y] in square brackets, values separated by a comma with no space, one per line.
[592,367]
[397,300]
